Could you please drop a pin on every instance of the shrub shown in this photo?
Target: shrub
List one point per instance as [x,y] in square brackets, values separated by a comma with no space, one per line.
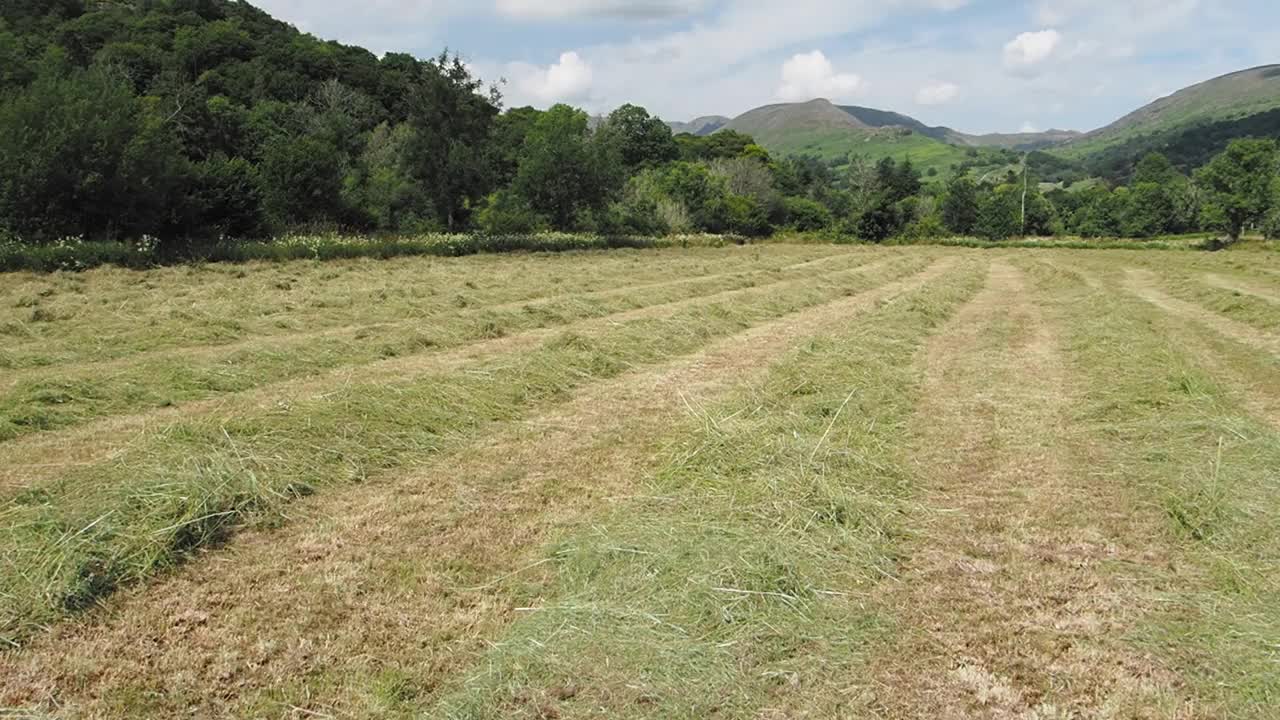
[506,212]
[226,199]
[879,222]
[744,215]
[806,215]
[1271,227]
[928,227]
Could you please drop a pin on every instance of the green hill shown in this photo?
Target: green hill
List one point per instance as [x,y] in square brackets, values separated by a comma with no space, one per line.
[830,132]
[1189,126]
[774,123]
[833,132]
[1013,141]
[1222,101]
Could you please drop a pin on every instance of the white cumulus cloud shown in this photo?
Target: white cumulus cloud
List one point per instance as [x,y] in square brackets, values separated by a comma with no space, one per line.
[568,80]
[811,75]
[1025,53]
[626,9]
[937,93]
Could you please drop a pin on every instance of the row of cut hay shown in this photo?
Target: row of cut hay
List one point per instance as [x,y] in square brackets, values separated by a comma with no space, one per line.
[1170,416]
[736,578]
[52,399]
[68,543]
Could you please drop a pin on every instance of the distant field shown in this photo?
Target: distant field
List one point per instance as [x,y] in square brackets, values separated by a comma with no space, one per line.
[925,153]
[772,481]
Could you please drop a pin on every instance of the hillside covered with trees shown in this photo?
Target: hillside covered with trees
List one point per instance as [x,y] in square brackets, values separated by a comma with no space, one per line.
[185,123]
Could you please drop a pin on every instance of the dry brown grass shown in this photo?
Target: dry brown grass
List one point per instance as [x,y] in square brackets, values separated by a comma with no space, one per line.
[1244,287]
[109,313]
[534,288]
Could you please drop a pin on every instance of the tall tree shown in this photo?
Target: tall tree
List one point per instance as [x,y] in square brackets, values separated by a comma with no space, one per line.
[562,175]
[82,155]
[960,207]
[452,117]
[509,131]
[1000,213]
[641,140]
[1155,168]
[1237,185]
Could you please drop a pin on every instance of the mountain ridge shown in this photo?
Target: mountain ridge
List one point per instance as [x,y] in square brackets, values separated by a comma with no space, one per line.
[704,125]
[822,114]
[1235,95]
[1242,102]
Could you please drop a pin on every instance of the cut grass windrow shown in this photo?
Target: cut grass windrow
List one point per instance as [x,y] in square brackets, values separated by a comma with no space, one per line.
[1175,431]
[1223,286]
[380,313]
[108,313]
[30,461]
[435,559]
[1145,285]
[739,572]
[67,544]
[55,398]
[1004,607]
[1241,286]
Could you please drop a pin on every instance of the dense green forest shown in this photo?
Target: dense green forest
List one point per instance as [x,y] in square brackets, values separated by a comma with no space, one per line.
[182,123]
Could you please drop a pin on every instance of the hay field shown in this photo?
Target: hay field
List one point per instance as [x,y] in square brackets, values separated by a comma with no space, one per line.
[754,482]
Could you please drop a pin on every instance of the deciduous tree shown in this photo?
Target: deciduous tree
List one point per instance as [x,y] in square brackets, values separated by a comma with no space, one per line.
[1237,185]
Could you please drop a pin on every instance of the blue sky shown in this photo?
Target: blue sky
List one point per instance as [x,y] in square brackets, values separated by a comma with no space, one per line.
[975,65]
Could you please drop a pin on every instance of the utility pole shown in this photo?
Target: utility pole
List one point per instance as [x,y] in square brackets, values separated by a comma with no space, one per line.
[1024,193]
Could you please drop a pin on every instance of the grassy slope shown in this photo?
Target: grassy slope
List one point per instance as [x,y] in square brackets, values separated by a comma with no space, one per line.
[1231,96]
[925,153]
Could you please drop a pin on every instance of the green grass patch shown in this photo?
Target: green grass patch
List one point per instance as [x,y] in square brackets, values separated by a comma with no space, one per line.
[924,152]
[737,577]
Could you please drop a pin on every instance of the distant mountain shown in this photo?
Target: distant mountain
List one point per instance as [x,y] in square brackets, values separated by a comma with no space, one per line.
[773,124]
[1189,126]
[1224,101]
[1015,141]
[700,126]
[829,131]
[786,118]
[1019,141]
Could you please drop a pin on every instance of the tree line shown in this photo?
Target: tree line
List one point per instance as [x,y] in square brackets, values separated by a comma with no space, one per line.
[189,122]
[1237,190]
